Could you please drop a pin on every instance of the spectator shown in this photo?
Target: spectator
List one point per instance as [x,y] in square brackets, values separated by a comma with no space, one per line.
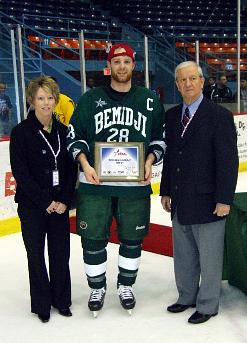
[243,93]
[90,84]
[210,88]
[222,92]
[5,111]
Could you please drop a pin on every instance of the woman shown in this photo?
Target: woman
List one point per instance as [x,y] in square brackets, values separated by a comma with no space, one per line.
[45,180]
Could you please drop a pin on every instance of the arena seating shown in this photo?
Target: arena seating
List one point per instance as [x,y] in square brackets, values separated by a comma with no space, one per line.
[61,18]
[192,18]
[180,21]
[218,54]
[94,49]
[160,18]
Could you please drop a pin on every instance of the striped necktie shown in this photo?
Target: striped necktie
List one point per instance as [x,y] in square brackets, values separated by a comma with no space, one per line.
[186,117]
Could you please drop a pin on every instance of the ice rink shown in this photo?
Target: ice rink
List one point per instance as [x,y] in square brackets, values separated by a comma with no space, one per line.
[150,322]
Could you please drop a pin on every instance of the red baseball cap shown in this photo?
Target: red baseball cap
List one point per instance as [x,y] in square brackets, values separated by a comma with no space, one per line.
[121,50]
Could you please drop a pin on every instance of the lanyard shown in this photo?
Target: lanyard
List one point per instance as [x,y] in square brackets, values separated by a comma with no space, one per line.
[185,128]
[49,145]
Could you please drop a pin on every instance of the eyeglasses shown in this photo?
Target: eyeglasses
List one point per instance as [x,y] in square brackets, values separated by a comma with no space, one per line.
[190,78]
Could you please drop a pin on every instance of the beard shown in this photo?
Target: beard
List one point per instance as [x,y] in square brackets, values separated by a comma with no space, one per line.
[121,78]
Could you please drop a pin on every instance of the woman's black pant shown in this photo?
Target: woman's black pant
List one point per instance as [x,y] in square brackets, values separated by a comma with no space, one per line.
[54,289]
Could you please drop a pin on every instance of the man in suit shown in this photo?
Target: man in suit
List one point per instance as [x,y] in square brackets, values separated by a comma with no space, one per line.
[198,182]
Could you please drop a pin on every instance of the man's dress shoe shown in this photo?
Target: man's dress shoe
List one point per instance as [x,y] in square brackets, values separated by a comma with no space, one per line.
[65,312]
[44,318]
[198,318]
[176,308]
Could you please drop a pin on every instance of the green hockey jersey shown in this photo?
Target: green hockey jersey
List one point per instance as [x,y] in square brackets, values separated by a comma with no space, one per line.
[100,116]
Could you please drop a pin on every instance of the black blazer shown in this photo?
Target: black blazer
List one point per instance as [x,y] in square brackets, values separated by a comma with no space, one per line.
[200,169]
[32,163]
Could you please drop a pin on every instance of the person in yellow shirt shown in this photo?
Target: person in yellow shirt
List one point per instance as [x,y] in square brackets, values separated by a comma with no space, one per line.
[64,109]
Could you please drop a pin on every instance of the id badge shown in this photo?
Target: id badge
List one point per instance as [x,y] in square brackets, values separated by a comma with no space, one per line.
[55,178]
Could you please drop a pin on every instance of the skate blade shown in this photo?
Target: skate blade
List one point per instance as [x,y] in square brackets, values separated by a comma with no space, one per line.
[129,312]
[95,314]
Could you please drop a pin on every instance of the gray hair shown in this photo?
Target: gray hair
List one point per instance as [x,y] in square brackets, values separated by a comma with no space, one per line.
[188,64]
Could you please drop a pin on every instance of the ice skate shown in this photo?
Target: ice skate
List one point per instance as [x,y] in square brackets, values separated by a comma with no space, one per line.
[126,297]
[96,300]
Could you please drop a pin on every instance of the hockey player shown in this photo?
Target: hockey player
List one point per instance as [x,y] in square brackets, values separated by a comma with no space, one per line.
[116,113]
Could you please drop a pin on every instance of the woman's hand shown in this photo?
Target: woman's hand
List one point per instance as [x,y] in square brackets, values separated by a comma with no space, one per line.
[52,207]
[61,208]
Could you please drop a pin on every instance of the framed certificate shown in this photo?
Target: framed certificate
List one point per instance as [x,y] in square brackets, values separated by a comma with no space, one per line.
[119,161]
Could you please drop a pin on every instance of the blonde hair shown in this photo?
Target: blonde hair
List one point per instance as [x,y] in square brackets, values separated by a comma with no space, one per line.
[44,82]
[188,64]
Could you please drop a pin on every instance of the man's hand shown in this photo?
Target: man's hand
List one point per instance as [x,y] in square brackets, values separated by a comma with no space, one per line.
[166,203]
[221,210]
[89,172]
[148,169]
[90,175]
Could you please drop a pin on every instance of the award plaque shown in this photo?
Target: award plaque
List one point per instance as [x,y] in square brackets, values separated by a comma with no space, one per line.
[119,161]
